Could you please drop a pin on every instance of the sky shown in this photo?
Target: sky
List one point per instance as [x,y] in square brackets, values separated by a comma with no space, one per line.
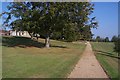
[119,19]
[106,14]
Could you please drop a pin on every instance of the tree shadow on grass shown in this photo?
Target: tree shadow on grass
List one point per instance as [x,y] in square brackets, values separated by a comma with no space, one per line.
[106,54]
[59,46]
[22,42]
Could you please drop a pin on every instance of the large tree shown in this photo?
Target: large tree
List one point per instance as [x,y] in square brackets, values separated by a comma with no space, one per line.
[45,18]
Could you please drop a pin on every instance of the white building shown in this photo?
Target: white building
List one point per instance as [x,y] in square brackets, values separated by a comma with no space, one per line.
[19,33]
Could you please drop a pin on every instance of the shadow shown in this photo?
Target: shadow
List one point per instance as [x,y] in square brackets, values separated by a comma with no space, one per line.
[106,54]
[22,42]
[58,46]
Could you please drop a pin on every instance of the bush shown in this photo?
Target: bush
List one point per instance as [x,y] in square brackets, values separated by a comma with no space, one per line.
[117,46]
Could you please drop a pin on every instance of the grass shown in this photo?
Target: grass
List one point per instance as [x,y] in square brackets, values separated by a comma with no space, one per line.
[0,58]
[107,57]
[25,58]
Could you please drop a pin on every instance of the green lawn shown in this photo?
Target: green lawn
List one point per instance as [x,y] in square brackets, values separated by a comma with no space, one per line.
[25,58]
[107,57]
[0,58]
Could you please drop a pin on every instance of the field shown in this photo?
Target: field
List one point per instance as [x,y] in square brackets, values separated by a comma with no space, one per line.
[26,58]
[107,57]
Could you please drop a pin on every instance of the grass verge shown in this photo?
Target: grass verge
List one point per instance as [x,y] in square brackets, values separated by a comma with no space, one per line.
[107,57]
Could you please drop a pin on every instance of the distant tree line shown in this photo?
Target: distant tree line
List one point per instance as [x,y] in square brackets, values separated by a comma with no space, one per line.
[115,40]
[106,39]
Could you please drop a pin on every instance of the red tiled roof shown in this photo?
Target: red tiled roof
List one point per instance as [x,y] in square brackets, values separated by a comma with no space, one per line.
[4,32]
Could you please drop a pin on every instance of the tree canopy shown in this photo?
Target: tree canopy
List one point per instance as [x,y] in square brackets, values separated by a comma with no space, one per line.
[106,39]
[114,39]
[117,44]
[68,20]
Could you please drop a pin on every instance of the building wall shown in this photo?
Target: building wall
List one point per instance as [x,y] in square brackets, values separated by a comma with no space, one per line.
[19,33]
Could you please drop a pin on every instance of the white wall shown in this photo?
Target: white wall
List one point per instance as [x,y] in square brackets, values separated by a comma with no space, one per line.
[19,33]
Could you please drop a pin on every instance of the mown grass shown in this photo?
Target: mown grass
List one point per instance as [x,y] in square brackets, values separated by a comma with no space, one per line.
[0,57]
[107,57]
[25,58]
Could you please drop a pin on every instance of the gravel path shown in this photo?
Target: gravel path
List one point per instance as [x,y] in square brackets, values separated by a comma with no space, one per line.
[88,66]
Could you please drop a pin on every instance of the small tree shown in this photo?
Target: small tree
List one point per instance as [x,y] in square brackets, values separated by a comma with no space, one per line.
[106,39]
[117,46]
[114,39]
[98,39]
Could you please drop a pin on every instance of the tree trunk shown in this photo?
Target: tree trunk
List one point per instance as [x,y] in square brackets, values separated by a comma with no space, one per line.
[16,33]
[30,35]
[19,33]
[47,42]
[37,38]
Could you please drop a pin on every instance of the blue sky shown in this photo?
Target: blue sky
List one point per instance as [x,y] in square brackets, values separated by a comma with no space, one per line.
[106,14]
